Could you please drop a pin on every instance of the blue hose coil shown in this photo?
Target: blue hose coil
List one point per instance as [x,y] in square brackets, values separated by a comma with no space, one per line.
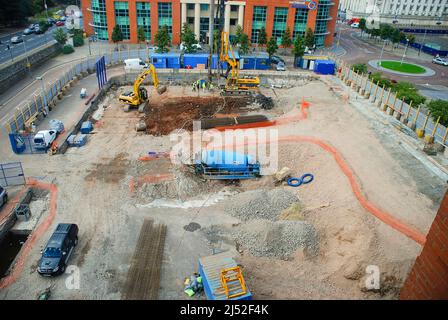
[291,180]
[296,182]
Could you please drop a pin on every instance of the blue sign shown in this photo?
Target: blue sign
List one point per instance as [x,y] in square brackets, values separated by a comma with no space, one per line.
[101,72]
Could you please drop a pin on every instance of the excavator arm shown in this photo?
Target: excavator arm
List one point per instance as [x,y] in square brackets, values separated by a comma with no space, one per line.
[138,82]
[224,55]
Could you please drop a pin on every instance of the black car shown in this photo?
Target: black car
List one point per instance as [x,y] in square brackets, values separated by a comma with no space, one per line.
[38,30]
[58,250]
[3,196]
[276,59]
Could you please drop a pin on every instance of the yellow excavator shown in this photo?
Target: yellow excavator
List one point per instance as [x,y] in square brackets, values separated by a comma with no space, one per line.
[139,96]
[235,85]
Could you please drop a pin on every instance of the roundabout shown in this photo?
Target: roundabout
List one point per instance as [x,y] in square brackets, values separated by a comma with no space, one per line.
[406,69]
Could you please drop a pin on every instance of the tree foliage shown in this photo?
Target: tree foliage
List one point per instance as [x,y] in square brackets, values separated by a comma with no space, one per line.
[244,44]
[141,34]
[286,38]
[60,36]
[439,108]
[309,38]
[262,37]
[360,68]
[272,47]
[117,35]
[189,38]
[238,34]
[299,48]
[162,40]
[67,49]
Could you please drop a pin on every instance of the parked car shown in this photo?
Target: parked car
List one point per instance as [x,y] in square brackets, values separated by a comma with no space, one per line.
[28,31]
[3,196]
[63,18]
[60,23]
[182,46]
[441,61]
[281,66]
[276,60]
[44,138]
[58,250]
[38,30]
[51,21]
[355,25]
[16,39]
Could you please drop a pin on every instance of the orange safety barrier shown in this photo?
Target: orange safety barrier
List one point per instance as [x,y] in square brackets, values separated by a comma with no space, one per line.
[35,235]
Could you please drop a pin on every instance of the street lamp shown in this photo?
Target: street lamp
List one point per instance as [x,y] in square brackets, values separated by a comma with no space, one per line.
[382,50]
[26,54]
[44,95]
[404,53]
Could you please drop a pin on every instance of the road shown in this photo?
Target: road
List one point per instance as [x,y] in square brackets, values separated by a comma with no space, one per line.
[30,42]
[358,51]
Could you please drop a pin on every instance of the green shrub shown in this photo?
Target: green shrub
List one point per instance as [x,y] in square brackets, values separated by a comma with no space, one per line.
[67,49]
[360,68]
[439,108]
[78,41]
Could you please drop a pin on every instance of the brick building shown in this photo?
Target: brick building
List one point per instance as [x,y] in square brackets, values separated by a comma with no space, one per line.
[100,17]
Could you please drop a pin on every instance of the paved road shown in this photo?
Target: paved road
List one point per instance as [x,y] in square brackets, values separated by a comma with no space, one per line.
[30,42]
[359,51]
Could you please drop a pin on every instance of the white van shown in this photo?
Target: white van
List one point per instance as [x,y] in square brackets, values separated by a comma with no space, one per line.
[44,138]
[135,64]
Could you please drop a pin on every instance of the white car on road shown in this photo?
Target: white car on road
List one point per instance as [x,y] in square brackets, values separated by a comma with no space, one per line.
[441,61]
[197,46]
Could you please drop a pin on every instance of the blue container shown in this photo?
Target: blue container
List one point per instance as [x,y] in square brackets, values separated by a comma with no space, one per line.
[193,59]
[173,60]
[86,127]
[258,61]
[215,60]
[159,60]
[210,271]
[324,67]
[166,60]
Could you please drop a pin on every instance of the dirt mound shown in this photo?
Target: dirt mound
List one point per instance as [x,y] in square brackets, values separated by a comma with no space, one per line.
[167,115]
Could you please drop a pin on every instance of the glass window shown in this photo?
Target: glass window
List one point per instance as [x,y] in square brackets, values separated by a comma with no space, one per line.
[280,18]
[190,20]
[300,20]
[203,28]
[233,8]
[258,21]
[99,19]
[122,18]
[190,6]
[165,16]
[204,7]
[144,18]
[233,22]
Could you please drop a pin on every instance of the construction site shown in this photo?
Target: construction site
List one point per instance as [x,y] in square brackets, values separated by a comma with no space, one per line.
[165,181]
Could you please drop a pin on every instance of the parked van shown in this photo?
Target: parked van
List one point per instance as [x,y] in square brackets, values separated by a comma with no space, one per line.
[58,250]
[135,65]
[44,138]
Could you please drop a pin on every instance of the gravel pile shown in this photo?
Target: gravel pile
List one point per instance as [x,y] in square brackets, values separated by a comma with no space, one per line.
[261,204]
[263,238]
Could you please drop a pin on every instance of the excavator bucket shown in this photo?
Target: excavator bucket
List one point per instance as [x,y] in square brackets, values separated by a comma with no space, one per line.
[161,89]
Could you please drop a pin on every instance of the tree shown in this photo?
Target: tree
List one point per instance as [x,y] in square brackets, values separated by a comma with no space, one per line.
[309,38]
[360,68]
[395,36]
[272,47]
[141,34]
[362,25]
[60,36]
[411,38]
[162,40]
[244,44]
[117,35]
[238,34]
[286,38]
[67,49]
[189,39]
[216,40]
[299,49]
[262,37]
[439,108]
[386,31]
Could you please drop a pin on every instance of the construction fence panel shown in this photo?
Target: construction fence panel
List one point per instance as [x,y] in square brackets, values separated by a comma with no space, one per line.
[11,174]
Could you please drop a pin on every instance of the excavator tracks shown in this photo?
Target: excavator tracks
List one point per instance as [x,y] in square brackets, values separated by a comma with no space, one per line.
[143,279]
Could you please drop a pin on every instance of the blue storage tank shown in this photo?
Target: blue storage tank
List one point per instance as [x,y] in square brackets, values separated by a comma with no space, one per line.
[324,67]
[193,59]
[220,158]
[210,270]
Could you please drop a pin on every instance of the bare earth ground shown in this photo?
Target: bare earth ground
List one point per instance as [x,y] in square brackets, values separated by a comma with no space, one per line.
[93,191]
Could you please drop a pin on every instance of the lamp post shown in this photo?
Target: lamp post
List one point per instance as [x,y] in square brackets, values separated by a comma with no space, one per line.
[423,42]
[44,95]
[382,50]
[405,49]
[27,59]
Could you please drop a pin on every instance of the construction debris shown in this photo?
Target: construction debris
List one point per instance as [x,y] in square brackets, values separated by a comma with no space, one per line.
[282,174]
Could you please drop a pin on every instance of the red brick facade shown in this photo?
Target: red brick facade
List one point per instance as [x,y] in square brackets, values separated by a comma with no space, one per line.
[428,279]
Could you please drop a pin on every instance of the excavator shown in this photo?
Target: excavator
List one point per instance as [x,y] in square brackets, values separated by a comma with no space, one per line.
[139,96]
[235,85]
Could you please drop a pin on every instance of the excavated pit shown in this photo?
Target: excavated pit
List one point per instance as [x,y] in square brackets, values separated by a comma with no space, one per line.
[178,113]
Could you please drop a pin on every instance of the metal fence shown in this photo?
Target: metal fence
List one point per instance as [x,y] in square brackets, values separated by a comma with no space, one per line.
[11,174]
[417,119]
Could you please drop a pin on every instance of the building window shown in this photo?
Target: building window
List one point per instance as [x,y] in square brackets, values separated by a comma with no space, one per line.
[190,20]
[233,8]
[300,20]
[233,22]
[204,7]
[144,18]
[99,19]
[203,28]
[280,18]
[258,21]
[190,6]
[122,18]
[165,16]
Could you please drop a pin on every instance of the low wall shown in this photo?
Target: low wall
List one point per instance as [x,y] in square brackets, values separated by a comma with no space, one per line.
[16,70]
[11,220]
